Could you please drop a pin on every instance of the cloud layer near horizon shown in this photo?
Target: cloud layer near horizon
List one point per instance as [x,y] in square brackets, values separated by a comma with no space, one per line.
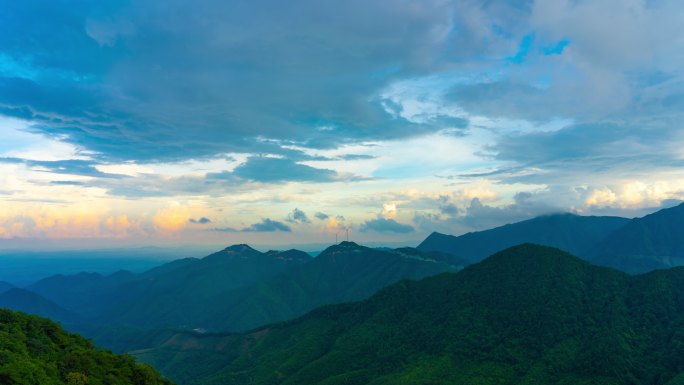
[462,114]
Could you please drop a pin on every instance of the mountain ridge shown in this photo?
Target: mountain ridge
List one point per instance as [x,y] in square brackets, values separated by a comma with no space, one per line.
[527,315]
[234,289]
[573,233]
[655,241]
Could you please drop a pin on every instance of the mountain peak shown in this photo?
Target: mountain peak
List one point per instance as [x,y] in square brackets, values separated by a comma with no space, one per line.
[291,255]
[529,262]
[238,251]
[349,245]
[242,250]
[531,253]
[344,246]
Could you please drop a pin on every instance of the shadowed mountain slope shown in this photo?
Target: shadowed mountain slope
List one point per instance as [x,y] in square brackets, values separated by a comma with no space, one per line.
[572,233]
[341,273]
[527,315]
[29,302]
[655,241]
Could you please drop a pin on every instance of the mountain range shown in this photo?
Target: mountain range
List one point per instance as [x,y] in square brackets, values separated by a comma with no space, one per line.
[236,289]
[232,317]
[655,241]
[527,315]
[29,302]
[635,246]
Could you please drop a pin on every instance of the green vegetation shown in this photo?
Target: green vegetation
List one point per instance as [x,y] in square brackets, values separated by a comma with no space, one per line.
[527,315]
[36,351]
[342,273]
[236,289]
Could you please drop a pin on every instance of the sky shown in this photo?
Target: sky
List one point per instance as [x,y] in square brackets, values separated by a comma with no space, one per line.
[278,123]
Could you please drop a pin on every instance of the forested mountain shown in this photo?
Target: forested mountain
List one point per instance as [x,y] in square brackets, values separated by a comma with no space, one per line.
[572,233]
[235,289]
[635,246]
[86,293]
[180,295]
[655,241]
[341,273]
[172,288]
[32,303]
[37,351]
[527,315]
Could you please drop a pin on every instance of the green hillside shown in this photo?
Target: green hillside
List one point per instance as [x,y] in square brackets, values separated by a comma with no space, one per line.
[527,315]
[235,289]
[36,351]
[342,273]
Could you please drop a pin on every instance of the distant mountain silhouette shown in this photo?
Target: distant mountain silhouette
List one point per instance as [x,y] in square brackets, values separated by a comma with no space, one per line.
[32,303]
[527,315]
[4,286]
[572,233]
[341,273]
[179,294]
[86,293]
[655,241]
[236,289]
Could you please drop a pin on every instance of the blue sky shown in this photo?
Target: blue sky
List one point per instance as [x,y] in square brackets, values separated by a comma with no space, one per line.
[278,123]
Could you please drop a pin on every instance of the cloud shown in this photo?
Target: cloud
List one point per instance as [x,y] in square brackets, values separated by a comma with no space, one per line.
[123,89]
[278,170]
[564,99]
[476,215]
[70,167]
[225,230]
[524,206]
[632,195]
[389,210]
[298,216]
[590,149]
[171,220]
[334,224]
[66,183]
[383,225]
[201,221]
[267,225]
[108,76]
[357,157]
[447,207]
[67,222]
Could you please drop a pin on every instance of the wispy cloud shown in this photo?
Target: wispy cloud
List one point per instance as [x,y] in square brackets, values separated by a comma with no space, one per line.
[384,225]
[567,105]
[266,225]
